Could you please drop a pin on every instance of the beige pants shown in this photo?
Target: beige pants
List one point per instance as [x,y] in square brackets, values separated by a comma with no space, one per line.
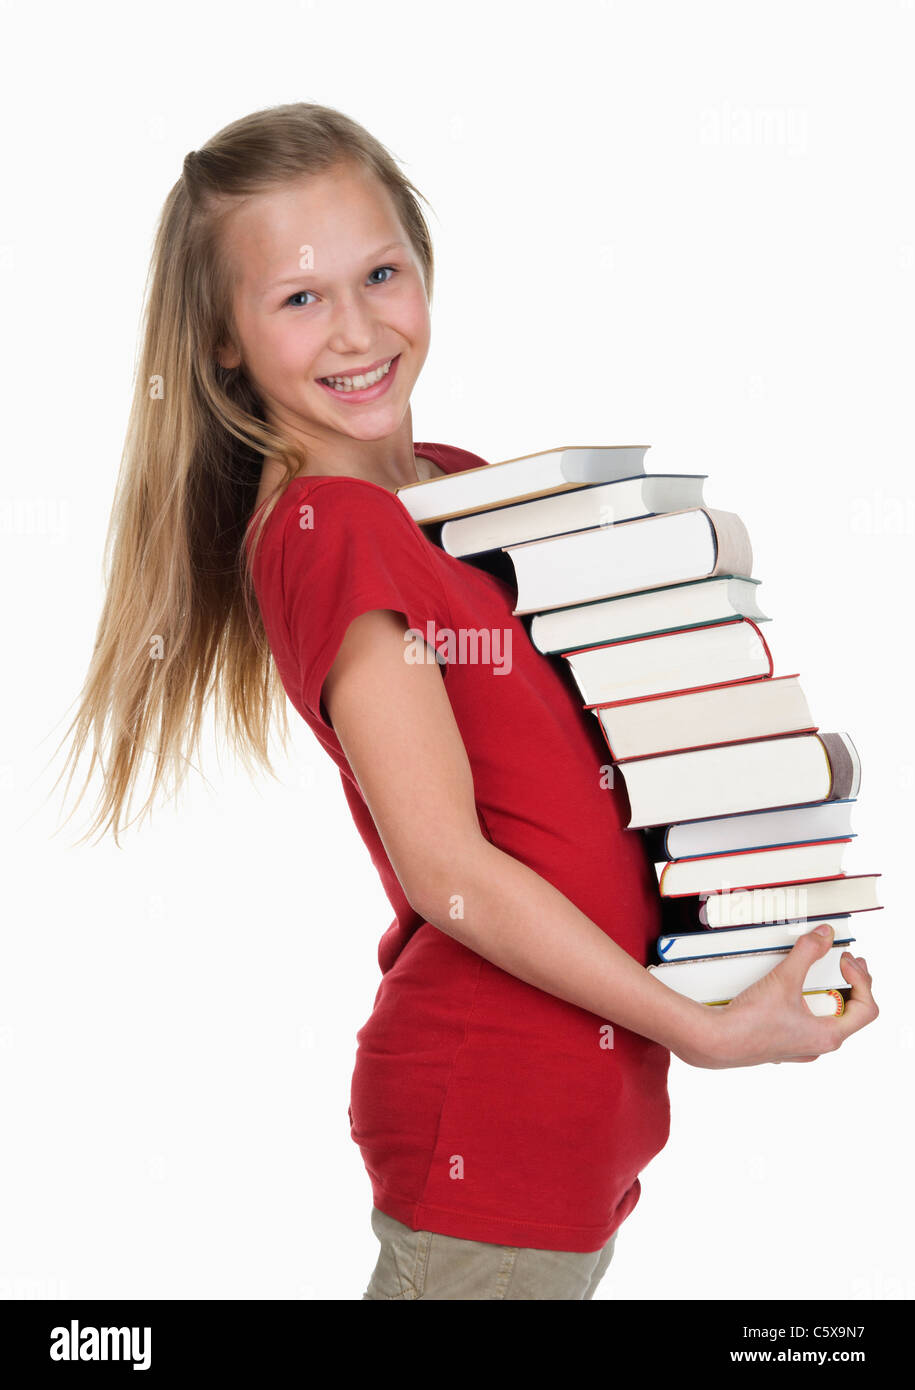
[425,1264]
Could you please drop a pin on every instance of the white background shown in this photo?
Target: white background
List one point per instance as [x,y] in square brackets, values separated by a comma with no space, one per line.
[685,225]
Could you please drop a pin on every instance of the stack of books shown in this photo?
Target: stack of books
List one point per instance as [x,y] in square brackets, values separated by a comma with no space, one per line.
[648,596]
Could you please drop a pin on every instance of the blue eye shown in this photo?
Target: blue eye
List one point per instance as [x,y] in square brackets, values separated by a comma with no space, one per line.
[299,293]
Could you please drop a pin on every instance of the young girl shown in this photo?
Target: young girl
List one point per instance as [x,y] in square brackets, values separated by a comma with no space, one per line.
[503,1119]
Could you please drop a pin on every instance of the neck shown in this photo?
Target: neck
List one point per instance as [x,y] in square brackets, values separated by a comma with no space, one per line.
[389,462]
[391,473]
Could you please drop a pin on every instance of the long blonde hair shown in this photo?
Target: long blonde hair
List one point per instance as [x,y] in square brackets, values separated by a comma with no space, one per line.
[180,623]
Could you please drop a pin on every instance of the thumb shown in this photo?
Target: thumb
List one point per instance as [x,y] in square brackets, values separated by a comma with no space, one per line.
[808,948]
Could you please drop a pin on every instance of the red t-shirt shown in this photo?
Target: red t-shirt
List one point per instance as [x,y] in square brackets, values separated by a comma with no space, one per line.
[483,1107]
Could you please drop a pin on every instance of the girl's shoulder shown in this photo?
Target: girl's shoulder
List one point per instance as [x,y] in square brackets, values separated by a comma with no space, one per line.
[337,512]
[450,457]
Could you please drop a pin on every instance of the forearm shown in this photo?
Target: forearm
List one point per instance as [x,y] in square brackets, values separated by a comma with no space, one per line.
[517,920]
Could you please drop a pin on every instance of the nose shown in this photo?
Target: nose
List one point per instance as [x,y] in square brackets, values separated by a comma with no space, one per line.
[352,328]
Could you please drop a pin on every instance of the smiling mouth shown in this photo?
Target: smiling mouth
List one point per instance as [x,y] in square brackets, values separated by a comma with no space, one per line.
[361,382]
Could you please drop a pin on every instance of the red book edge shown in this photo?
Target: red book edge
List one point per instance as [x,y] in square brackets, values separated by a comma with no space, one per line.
[829,878]
[757,849]
[674,632]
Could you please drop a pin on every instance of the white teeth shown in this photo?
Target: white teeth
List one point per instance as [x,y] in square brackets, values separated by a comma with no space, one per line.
[357,383]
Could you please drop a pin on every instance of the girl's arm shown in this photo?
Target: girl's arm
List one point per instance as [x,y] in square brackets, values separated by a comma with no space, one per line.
[397,730]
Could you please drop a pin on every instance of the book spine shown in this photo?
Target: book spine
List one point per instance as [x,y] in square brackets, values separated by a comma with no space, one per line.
[733,551]
[840,765]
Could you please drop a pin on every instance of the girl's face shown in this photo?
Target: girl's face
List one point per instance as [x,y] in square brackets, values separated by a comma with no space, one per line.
[328,285]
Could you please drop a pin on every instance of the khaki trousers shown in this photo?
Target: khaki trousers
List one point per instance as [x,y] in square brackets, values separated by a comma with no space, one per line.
[425,1264]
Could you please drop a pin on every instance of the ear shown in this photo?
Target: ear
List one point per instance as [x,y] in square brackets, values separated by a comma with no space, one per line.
[228,357]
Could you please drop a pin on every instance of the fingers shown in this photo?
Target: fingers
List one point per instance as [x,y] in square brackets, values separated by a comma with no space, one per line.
[808,948]
[854,968]
[861,1008]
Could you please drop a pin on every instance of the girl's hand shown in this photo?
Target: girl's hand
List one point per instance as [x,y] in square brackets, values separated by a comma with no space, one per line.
[769,1021]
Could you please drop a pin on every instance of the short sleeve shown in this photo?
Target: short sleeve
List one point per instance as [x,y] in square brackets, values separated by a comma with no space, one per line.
[350,546]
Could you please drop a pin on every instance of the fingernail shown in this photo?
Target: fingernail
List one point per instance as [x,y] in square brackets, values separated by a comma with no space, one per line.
[823,929]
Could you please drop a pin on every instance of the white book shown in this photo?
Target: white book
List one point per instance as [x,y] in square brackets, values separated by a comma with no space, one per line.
[671,661]
[600,504]
[721,977]
[729,941]
[716,873]
[649,611]
[788,902]
[698,718]
[754,776]
[648,553]
[519,479]
[788,825]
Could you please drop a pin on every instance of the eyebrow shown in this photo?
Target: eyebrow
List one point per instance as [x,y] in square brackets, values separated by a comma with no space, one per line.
[297,275]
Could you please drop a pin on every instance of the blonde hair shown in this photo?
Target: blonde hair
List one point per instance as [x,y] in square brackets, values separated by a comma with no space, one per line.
[177,573]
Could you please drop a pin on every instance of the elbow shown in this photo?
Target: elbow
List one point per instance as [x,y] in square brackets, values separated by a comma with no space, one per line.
[427,895]
[439,893]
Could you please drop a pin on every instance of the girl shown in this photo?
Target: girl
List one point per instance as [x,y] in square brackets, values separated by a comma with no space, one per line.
[256,533]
